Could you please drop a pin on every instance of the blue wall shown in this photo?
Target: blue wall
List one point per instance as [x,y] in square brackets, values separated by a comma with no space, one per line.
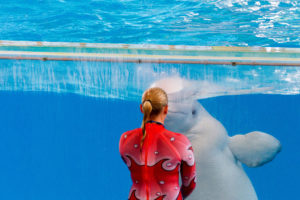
[65,147]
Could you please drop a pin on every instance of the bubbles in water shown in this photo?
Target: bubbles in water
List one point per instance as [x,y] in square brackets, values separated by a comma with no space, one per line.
[129,80]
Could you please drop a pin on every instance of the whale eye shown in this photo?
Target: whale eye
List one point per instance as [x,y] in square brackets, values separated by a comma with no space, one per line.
[193,112]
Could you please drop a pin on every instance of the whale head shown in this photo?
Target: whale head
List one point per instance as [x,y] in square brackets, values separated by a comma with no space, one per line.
[183,116]
[184,110]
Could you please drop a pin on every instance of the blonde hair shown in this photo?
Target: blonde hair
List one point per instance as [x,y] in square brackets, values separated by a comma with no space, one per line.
[153,101]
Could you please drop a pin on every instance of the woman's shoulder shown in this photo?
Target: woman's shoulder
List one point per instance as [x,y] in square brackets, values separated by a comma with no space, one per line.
[179,137]
[130,134]
[183,146]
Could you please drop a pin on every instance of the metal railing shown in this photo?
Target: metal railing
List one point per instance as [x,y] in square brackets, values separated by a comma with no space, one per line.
[148,53]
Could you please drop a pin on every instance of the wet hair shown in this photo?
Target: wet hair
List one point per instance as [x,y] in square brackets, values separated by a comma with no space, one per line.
[153,101]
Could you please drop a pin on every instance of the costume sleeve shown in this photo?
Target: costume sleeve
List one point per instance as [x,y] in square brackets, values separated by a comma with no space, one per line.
[188,171]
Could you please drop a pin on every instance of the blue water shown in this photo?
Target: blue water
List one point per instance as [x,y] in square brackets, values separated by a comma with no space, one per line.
[193,22]
[61,141]
[65,147]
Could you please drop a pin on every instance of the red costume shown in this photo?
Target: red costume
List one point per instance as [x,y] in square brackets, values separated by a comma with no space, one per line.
[155,167]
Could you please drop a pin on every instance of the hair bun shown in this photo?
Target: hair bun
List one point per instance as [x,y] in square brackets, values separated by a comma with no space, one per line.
[147,100]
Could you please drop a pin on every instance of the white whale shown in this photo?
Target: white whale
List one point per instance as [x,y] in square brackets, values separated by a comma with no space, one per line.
[220,174]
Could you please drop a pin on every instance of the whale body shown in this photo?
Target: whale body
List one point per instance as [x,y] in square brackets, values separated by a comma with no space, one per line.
[219,158]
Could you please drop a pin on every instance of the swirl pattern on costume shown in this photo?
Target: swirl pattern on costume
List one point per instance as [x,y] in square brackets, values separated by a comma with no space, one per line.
[156,165]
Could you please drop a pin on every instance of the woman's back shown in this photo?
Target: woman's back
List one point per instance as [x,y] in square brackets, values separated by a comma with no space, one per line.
[156,165]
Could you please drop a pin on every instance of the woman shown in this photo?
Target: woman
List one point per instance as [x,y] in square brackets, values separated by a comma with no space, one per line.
[155,156]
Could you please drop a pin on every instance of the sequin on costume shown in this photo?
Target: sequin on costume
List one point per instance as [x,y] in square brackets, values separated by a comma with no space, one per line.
[155,167]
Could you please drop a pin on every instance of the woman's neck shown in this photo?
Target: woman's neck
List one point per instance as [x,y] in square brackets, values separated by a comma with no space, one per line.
[157,119]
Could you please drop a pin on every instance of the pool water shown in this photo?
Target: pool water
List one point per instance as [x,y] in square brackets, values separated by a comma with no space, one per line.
[191,22]
[65,146]
[61,121]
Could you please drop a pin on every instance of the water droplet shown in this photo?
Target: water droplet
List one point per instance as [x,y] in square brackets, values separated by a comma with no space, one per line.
[158,193]
[136,146]
[190,157]
[169,164]
[161,182]
[156,152]
[172,139]
[136,181]
[125,136]
[176,188]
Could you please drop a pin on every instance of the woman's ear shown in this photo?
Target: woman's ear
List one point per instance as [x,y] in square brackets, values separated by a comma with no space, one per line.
[141,108]
[166,110]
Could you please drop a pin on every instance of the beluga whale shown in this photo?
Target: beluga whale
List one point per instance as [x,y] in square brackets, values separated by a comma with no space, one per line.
[219,157]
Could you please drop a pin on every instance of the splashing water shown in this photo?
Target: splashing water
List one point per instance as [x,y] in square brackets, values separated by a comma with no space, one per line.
[129,80]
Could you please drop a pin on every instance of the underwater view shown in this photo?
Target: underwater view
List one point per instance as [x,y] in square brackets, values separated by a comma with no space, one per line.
[61,121]
[65,146]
